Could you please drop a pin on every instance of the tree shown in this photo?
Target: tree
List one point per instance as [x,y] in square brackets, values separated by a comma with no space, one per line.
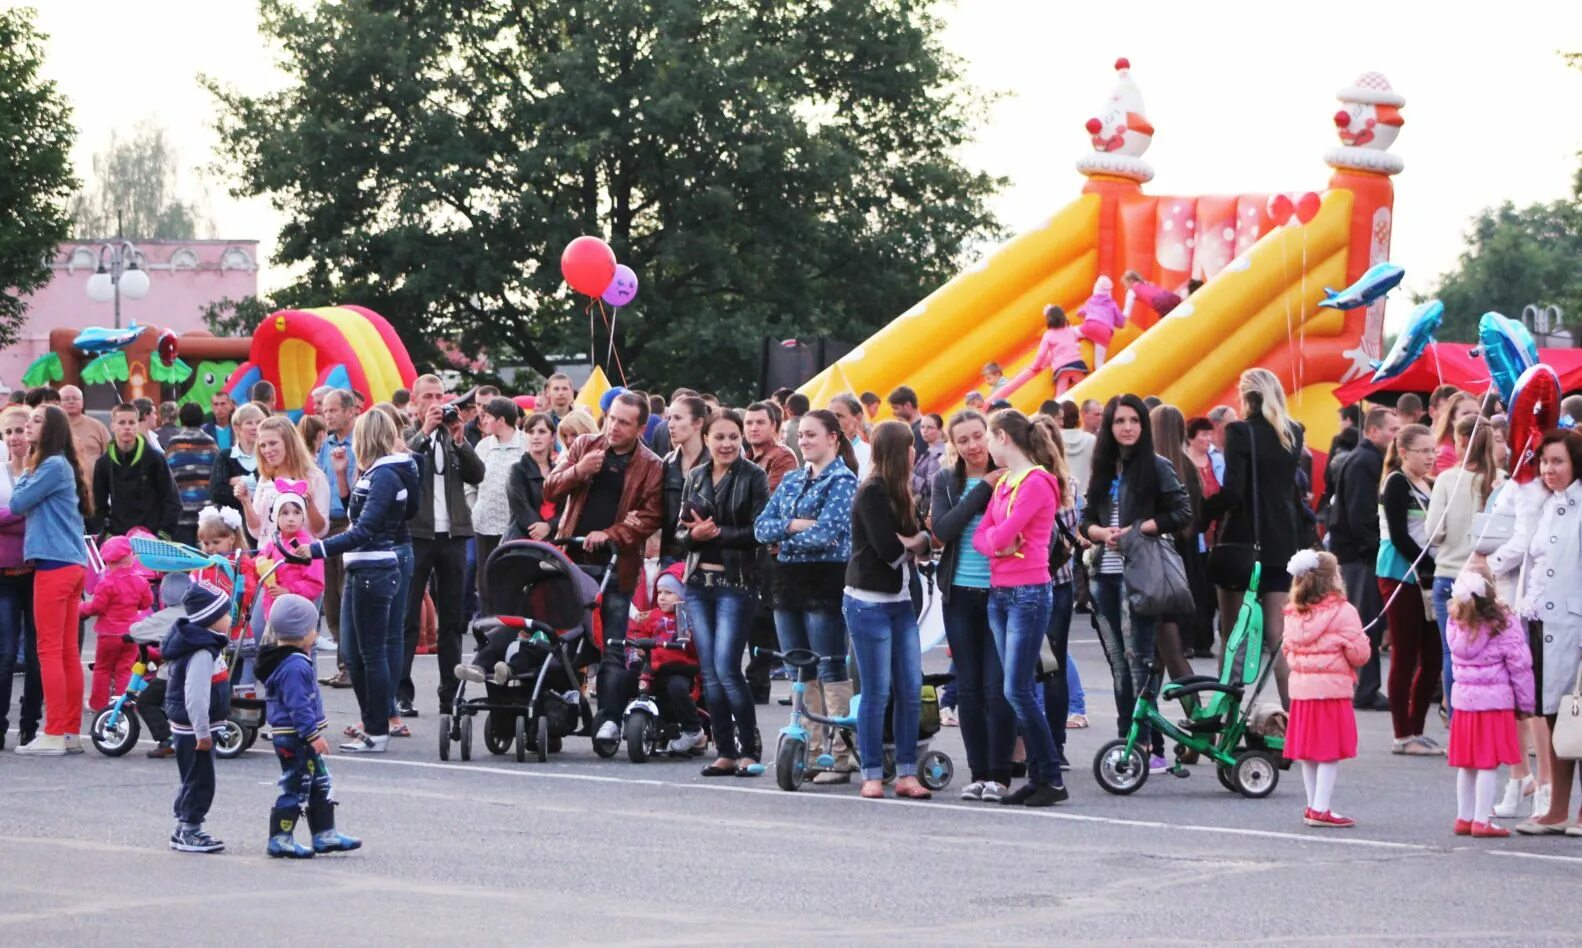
[1515,257]
[134,191]
[782,169]
[35,142]
[228,317]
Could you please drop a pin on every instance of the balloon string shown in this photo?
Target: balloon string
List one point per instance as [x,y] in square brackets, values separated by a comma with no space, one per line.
[1285,298]
[609,325]
[1301,354]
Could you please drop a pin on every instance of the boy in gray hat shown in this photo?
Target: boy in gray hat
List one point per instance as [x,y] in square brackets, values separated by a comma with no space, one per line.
[295,712]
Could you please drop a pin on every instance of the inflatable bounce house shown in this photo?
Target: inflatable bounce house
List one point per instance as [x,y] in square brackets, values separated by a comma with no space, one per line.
[299,350]
[1263,271]
[118,365]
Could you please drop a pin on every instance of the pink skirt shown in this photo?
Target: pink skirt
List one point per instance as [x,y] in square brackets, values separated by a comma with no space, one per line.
[1321,730]
[1483,740]
[1096,331]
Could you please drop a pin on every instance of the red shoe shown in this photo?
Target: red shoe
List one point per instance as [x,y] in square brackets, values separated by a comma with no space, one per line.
[1330,820]
[1464,827]
[1489,831]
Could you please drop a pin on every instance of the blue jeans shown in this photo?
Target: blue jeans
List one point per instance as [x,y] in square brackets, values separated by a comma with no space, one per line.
[369,617]
[1076,698]
[890,662]
[17,636]
[988,725]
[1128,660]
[1056,689]
[1019,616]
[395,636]
[821,630]
[721,618]
[1442,613]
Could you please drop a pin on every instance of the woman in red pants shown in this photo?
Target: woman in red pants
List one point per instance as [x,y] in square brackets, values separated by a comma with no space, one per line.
[54,497]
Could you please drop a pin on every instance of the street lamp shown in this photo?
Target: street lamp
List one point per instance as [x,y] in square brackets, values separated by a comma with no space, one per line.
[118,275]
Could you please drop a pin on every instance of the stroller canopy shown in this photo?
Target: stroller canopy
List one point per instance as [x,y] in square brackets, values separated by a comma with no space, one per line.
[537,580]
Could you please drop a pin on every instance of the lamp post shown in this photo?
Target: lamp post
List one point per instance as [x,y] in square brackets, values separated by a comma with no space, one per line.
[118,274]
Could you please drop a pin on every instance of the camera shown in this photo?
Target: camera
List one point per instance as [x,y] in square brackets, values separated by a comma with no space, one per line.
[449,414]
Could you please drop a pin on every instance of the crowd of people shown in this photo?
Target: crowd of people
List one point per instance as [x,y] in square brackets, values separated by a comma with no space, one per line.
[813,527]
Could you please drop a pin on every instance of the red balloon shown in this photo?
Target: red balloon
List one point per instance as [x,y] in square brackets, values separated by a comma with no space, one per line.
[167,346]
[1307,207]
[1279,208]
[588,264]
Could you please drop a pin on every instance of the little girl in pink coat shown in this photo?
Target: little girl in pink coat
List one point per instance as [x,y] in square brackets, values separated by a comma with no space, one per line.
[1493,682]
[1101,317]
[1324,645]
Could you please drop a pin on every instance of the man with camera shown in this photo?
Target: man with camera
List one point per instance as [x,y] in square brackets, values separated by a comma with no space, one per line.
[440,531]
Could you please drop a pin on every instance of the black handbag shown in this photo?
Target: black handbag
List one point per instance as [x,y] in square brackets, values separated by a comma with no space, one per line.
[1230,565]
[1156,579]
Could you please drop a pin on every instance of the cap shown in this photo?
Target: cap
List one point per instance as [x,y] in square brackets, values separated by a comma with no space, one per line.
[205,603]
[292,617]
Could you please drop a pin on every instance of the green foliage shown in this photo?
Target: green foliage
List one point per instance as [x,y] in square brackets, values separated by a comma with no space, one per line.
[1515,257]
[226,317]
[133,193]
[35,183]
[768,169]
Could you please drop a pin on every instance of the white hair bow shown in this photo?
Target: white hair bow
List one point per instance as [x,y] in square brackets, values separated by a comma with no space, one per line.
[1304,562]
[1468,585]
[226,515]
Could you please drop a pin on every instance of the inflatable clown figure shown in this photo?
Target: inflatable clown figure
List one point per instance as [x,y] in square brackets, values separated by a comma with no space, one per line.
[1368,122]
[1120,132]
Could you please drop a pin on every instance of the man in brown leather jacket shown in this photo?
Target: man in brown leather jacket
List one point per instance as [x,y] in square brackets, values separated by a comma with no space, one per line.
[610,487]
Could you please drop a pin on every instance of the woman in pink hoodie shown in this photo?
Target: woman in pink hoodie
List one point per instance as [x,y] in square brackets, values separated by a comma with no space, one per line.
[1493,684]
[1324,646]
[1014,534]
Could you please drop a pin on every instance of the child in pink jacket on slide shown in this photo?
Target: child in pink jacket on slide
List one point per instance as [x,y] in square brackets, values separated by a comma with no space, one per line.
[1057,351]
[1101,317]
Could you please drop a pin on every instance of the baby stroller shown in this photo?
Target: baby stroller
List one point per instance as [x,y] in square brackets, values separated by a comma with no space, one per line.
[1216,726]
[539,609]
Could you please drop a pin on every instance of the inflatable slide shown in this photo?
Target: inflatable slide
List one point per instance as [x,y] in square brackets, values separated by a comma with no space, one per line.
[1263,262]
[342,346]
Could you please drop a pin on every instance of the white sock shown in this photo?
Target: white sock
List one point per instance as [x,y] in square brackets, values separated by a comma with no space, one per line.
[1466,781]
[1309,780]
[1098,356]
[1324,785]
[1487,780]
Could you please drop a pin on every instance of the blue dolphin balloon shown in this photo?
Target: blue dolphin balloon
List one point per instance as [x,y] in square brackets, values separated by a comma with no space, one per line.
[1409,345]
[98,341]
[1508,349]
[1380,279]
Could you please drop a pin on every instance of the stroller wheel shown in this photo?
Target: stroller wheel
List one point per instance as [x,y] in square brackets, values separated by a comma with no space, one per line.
[1256,774]
[249,736]
[543,744]
[444,737]
[497,742]
[466,738]
[521,739]
[935,770]
[790,763]
[1120,772]
[1223,772]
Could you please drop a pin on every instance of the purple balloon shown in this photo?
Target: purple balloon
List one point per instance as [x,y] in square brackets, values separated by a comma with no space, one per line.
[622,289]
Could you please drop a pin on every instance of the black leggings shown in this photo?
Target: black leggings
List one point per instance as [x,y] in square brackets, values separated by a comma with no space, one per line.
[673,692]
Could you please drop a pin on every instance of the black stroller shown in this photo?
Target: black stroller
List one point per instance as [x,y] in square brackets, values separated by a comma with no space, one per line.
[539,609]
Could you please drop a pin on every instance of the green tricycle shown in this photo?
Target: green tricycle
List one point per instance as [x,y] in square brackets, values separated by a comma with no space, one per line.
[1216,723]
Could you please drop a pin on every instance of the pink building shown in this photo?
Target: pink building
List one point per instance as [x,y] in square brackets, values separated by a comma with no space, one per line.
[184,277]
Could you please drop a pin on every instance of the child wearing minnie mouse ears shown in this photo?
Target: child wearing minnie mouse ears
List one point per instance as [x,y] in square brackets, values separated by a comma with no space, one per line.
[1324,645]
[289,514]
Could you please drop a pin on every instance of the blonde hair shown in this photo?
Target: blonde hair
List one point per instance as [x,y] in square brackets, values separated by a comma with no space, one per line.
[1481,613]
[298,462]
[1444,422]
[1316,585]
[1261,393]
[374,436]
[579,422]
[16,411]
[247,411]
[214,527]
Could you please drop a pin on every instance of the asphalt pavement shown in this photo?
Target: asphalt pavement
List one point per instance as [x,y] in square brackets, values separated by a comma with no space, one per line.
[587,851]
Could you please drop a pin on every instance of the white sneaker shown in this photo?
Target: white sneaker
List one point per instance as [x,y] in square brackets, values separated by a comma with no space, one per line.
[73,743]
[467,672]
[685,743]
[1514,791]
[45,745]
[1541,801]
[368,744]
[502,673]
[992,791]
[973,790]
[609,731]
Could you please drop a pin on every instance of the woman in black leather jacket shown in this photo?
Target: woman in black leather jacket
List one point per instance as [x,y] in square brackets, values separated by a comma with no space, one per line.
[1131,488]
[686,418]
[530,520]
[714,531]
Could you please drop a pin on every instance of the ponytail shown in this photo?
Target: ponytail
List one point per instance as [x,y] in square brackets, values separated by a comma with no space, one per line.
[831,425]
[1030,438]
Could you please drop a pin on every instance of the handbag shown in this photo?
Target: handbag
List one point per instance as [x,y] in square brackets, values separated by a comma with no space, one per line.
[1567,735]
[1156,579]
[1230,564]
[1492,530]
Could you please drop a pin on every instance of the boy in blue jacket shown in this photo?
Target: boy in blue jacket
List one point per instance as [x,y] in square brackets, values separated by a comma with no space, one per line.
[197,700]
[296,719]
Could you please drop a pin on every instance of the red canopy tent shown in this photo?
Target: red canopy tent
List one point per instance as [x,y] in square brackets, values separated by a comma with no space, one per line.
[1454,363]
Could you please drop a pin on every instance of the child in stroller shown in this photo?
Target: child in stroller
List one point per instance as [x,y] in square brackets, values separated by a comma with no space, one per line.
[537,616]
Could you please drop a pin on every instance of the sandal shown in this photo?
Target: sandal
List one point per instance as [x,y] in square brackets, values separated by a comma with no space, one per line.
[912,791]
[1076,721]
[873,789]
[719,770]
[400,730]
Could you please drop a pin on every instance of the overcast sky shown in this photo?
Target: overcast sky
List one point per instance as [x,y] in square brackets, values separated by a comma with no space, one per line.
[1240,95]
